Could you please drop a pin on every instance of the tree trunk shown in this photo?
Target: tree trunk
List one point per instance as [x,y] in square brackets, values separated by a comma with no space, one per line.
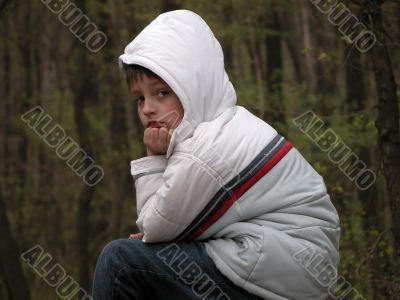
[274,74]
[307,47]
[168,5]
[387,122]
[253,45]
[25,47]
[355,91]
[227,42]
[118,128]
[85,90]
[10,267]
[14,279]
[3,5]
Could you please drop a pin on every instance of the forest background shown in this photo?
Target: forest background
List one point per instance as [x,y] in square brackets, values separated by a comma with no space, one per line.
[323,73]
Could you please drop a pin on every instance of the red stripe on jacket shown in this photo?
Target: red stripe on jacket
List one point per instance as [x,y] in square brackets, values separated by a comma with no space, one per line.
[241,190]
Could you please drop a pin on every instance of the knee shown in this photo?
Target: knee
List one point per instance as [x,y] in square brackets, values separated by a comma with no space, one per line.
[111,256]
[119,252]
[112,248]
[109,263]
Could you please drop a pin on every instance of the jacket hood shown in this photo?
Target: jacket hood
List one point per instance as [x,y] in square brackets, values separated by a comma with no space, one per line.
[180,47]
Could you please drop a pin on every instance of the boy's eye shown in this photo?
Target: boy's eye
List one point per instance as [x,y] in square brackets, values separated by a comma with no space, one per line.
[139,99]
[162,93]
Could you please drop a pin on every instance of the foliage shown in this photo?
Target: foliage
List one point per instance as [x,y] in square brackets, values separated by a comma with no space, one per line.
[41,67]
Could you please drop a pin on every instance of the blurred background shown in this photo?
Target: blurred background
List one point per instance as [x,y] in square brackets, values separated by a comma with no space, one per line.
[284,58]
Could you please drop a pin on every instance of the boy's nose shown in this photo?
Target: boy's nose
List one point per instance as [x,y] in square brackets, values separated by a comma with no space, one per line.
[148,107]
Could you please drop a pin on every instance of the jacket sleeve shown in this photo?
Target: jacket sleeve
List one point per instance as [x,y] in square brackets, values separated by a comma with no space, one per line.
[168,202]
[147,173]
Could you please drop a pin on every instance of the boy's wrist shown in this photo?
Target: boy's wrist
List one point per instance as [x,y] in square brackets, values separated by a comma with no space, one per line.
[153,153]
[150,153]
[148,165]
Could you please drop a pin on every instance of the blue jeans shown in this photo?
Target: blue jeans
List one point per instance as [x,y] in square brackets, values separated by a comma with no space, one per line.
[131,269]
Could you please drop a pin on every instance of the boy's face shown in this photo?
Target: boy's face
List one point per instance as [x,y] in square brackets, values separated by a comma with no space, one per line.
[158,106]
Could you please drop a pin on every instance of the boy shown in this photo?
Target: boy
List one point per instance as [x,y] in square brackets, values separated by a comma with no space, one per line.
[227,208]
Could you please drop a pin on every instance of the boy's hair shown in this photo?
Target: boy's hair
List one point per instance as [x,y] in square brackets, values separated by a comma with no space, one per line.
[133,72]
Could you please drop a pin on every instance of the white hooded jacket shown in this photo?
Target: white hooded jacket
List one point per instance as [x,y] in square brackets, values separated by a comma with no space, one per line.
[228,177]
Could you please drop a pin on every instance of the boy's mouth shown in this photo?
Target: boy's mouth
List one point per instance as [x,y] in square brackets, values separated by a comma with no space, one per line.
[155,125]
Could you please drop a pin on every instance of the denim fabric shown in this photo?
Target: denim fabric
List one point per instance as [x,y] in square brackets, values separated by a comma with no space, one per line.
[131,269]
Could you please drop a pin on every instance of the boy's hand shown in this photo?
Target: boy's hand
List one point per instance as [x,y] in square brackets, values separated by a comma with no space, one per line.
[136,236]
[157,140]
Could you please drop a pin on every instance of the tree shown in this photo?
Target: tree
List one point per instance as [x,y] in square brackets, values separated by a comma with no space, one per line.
[10,267]
[387,122]
[275,71]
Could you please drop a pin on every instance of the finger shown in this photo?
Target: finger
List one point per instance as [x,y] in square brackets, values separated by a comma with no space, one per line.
[157,143]
[155,132]
[147,135]
[163,135]
[136,235]
[149,138]
[152,134]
